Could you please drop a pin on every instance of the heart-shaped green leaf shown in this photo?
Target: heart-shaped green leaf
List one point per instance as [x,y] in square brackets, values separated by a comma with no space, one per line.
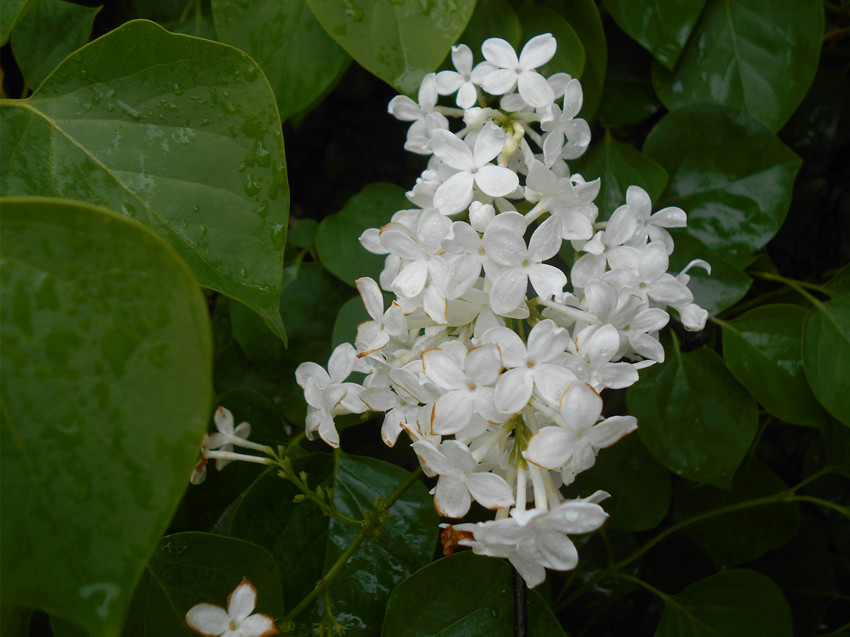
[194,568]
[693,416]
[731,175]
[756,56]
[738,603]
[299,59]
[106,390]
[661,27]
[763,350]
[399,41]
[826,354]
[464,595]
[178,132]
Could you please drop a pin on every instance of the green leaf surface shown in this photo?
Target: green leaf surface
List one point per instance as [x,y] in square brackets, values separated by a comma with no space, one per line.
[627,96]
[337,239]
[583,16]
[569,57]
[350,315]
[465,594]
[763,350]
[826,354]
[193,568]
[726,285]
[102,318]
[299,59]
[306,543]
[303,233]
[177,132]
[638,484]
[47,34]
[15,621]
[693,416]
[754,530]
[756,56]
[619,165]
[731,175]
[491,19]
[399,41]
[738,603]
[660,27]
[11,12]
[839,285]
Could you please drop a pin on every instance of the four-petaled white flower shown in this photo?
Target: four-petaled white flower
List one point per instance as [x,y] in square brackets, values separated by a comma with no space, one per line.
[508,71]
[238,620]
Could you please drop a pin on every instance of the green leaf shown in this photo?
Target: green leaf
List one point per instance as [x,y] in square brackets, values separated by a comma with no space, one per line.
[192,568]
[660,27]
[537,19]
[47,34]
[628,96]
[106,390]
[350,315]
[299,59]
[619,165]
[763,350]
[731,175]
[693,416]
[491,19]
[178,132]
[306,543]
[826,354]
[726,285]
[399,41]
[737,603]
[337,239]
[11,12]
[839,285]
[447,598]
[303,233]
[583,16]
[756,530]
[756,56]
[639,486]
[15,621]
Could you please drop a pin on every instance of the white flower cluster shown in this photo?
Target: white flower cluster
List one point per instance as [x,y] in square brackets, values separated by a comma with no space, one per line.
[497,415]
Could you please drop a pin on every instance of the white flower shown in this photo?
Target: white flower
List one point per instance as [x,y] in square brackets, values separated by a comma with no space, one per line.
[423,115]
[223,440]
[562,126]
[510,71]
[463,80]
[237,621]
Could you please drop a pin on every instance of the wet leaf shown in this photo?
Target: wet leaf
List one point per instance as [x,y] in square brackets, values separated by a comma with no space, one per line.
[627,96]
[756,56]
[299,59]
[763,350]
[102,317]
[693,416]
[399,41]
[48,33]
[826,354]
[445,598]
[177,132]
[731,175]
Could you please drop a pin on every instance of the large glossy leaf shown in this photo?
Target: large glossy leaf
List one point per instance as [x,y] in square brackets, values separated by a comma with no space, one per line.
[722,288]
[737,603]
[661,27]
[11,12]
[491,19]
[181,134]
[730,174]
[191,568]
[619,165]
[627,96]
[106,390]
[826,354]
[639,486]
[756,530]
[306,543]
[583,16]
[763,350]
[337,239]
[47,34]
[757,56]
[693,416]
[465,594]
[399,41]
[299,59]
[537,19]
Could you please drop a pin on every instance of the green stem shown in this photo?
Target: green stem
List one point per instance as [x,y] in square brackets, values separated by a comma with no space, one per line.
[799,286]
[659,593]
[740,308]
[365,531]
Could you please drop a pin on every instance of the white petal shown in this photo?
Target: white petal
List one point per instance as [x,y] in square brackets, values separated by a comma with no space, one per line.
[581,406]
[452,413]
[483,364]
[671,217]
[410,281]
[500,53]
[430,457]
[508,290]
[258,626]
[496,181]
[534,89]
[452,498]
[455,193]
[610,430]
[513,390]
[546,240]
[371,295]
[557,549]
[550,447]
[489,143]
[442,369]
[223,420]
[489,490]
[451,150]
[242,600]
[537,51]
[207,619]
[403,108]
[546,280]
[498,82]
[510,345]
